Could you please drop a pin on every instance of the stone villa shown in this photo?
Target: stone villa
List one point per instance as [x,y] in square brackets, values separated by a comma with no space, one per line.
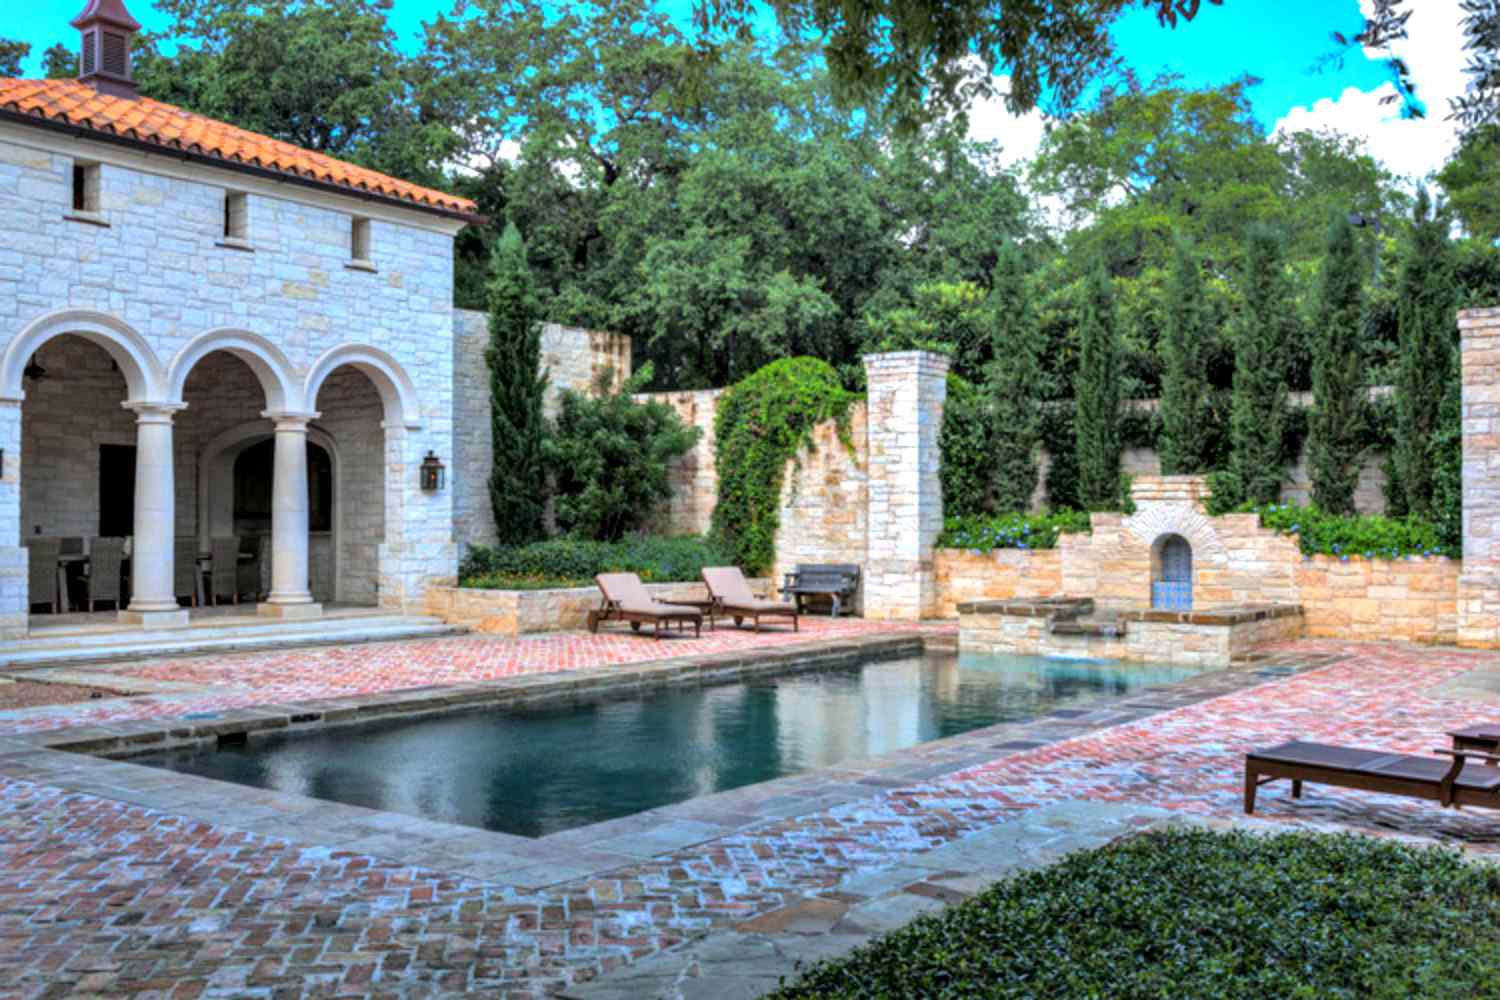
[206,333]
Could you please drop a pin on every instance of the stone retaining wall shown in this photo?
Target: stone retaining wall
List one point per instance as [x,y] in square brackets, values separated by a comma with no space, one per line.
[515,612]
[1003,574]
[1206,639]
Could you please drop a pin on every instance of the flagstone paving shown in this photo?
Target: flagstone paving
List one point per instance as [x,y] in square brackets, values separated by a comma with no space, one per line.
[104,898]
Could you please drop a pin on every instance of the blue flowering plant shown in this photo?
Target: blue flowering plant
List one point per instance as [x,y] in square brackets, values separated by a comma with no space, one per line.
[987,532]
[1344,536]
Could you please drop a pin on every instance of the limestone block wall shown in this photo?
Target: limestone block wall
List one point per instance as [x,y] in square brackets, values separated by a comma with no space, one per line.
[151,275]
[518,612]
[573,358]
[1479,585]
[825,501]
[1001,574]
[351,415]
[694,477]
[1412,600]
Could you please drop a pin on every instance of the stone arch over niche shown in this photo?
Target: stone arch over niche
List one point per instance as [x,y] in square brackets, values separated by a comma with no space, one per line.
[1172,573]
[216,487]
[144,381]
[270,367]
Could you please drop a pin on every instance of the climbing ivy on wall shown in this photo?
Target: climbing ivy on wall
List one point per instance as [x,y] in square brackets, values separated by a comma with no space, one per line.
[761,424]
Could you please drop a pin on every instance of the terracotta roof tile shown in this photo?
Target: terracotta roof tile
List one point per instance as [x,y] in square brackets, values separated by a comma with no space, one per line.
[77,104]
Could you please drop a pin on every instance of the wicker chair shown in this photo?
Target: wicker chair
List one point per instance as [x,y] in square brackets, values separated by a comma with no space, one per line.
[247,577]
[185,569]
[224,574]
[41,573]
[106,562]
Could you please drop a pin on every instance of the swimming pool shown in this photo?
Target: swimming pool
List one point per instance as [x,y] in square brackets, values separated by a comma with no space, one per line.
[533,772]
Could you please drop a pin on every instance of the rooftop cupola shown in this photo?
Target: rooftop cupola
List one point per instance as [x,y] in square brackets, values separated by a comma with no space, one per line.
[107,31]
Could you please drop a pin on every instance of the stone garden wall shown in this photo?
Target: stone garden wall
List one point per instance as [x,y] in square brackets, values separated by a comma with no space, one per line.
[574,359]
[695,480]
[1235,562]
[516,612]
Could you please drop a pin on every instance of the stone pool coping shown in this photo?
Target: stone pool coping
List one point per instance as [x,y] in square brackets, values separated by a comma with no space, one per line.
[94,760]
[1072,607]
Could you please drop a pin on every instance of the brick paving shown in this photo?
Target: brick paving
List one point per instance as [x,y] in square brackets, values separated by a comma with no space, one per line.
[238,680]
[104,898]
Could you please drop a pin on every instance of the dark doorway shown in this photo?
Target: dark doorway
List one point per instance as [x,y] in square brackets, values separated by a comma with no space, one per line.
[254,474]
[116,490]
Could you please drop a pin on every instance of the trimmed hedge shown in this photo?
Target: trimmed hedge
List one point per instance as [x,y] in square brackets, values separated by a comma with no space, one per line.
[1011,531]
[1373,537]
[569,562]
[1200,914]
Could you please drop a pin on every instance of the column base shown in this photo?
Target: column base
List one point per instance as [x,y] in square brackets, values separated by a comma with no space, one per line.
[154,619]
[289,612]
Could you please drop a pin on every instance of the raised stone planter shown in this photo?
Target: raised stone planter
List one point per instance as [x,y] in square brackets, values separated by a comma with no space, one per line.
[515,612]
[1071,626]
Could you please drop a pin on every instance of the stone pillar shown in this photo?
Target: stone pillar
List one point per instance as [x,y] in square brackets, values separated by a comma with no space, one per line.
[14,606]
[153,596]
[291,595]
[907,391]
[1479,583]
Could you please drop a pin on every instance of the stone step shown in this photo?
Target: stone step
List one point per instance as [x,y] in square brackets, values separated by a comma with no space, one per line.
[101,646]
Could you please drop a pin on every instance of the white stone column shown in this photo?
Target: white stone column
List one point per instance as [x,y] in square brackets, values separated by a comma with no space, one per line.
[907,391]
[291,596]
[153,598]
[14,606]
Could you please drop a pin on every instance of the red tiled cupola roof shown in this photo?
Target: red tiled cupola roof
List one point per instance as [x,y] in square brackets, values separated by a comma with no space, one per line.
[76,107]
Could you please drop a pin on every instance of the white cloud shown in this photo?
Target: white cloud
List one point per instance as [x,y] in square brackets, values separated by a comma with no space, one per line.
[1410,147]
[1019,136]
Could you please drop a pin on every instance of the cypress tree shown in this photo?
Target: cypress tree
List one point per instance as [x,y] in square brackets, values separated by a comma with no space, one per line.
[518,481]
[1015,385]
[1336,427]
[1096,394]
[1184,379]
[1264,333]
[1425,322]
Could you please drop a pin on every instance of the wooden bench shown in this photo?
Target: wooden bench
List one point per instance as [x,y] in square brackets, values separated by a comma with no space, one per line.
[837,581]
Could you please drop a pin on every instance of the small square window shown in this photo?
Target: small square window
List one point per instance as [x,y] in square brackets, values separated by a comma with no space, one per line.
[86,187]
[236,216]
[359,239]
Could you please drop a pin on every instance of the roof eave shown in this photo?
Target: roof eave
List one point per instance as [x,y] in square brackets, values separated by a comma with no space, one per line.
[236,166]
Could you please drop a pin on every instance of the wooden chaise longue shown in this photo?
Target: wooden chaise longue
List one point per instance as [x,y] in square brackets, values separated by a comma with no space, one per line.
[1468,777]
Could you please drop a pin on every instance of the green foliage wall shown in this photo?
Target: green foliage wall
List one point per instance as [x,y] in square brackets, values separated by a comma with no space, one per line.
[1096,394]
[1336,429]
[967,442]
[1015,385]
[609,456]
[1184,380]
[761,424]
[1426,321]
[518,476]
[1264,331]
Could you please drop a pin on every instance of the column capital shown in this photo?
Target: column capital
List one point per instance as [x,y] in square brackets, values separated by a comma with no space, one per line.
[152,411]
[290,420]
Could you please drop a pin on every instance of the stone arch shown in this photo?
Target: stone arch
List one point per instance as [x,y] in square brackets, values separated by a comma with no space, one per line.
[264,359]
[397,391]
[216,478]
[1172,572]
[138,363]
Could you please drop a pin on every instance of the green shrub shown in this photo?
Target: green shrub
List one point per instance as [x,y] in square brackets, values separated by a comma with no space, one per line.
[761,424]
[609,457]
[1011,531]
[571,562]
[1345,535]
[1200,914]
[966,440]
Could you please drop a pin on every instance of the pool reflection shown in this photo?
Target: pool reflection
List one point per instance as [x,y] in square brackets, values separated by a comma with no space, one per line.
[538,772]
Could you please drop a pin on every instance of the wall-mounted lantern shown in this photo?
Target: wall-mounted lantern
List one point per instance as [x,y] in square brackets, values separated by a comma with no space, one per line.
[432,473]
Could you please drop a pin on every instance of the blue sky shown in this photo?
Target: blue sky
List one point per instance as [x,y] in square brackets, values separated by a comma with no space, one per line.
[1277,41]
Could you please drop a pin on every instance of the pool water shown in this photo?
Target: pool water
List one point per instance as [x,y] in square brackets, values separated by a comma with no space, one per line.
[535,772]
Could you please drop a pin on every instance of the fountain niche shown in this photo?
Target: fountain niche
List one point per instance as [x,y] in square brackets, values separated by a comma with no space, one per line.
[1166,583]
